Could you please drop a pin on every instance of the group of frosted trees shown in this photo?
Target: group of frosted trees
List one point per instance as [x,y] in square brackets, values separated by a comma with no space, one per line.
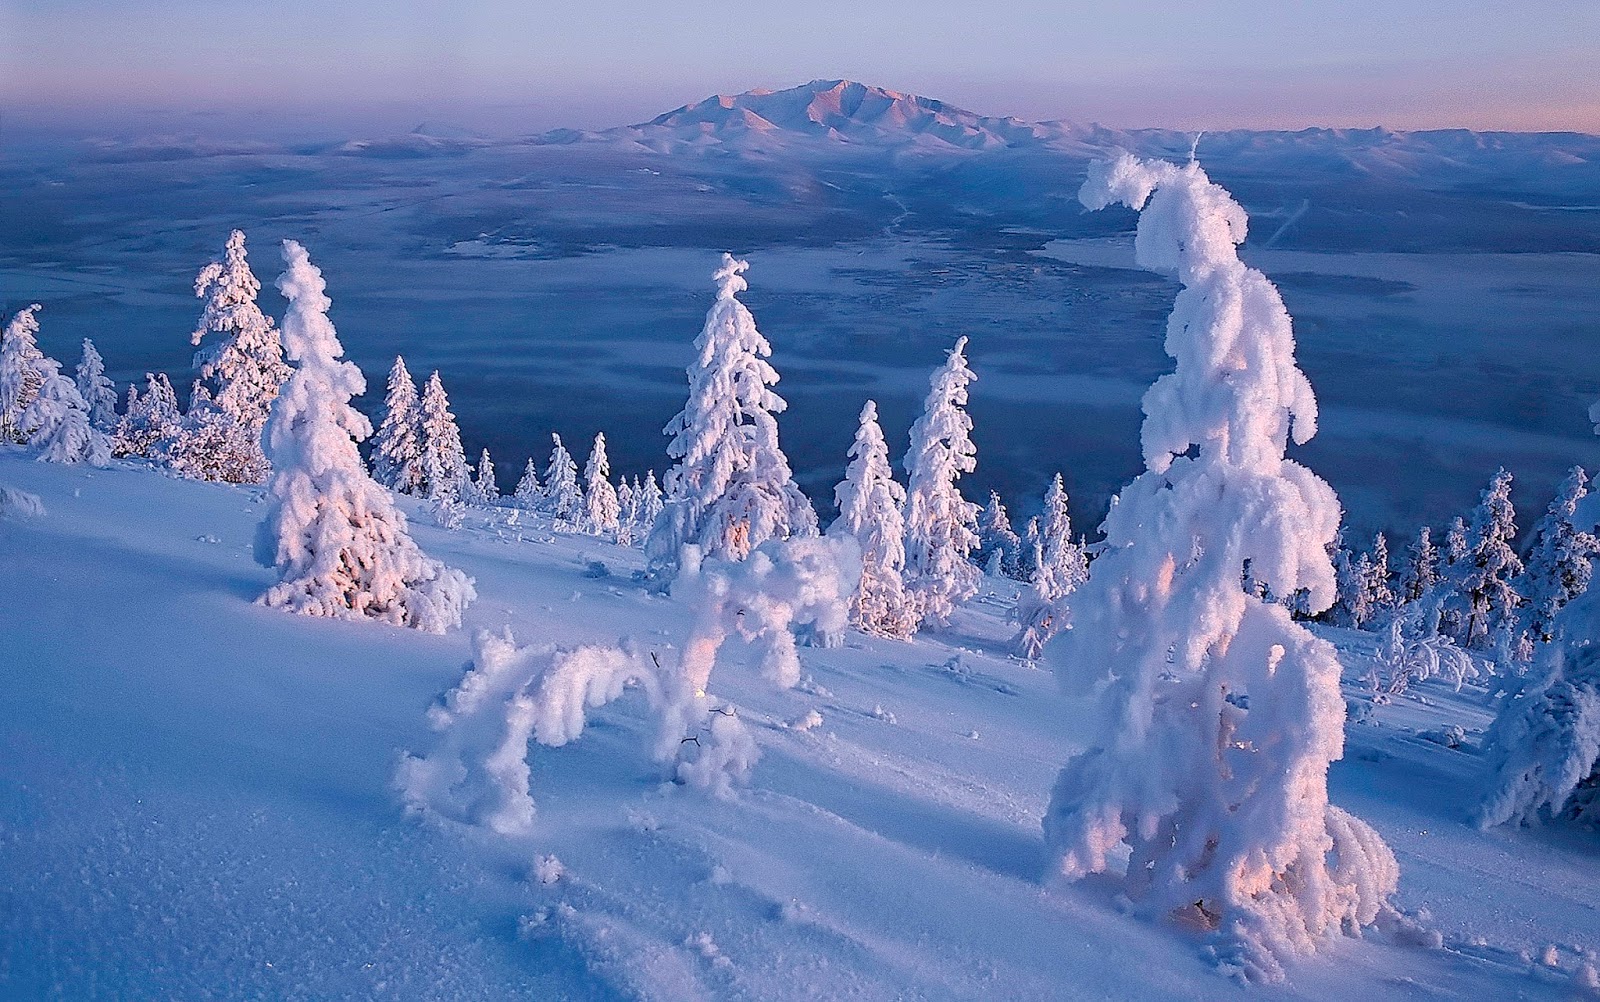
[64,420]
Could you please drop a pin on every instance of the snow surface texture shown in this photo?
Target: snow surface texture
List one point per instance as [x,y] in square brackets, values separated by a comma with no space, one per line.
[338,541]
[173,826]
[1219,714]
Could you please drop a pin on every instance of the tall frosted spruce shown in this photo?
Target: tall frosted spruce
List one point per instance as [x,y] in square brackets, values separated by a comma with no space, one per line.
[98,391]
[335,536]
[1219,714]
[444,462]
[600,507]
[870,504]
[731,489]
[397,447]
[941,525]
[21,374]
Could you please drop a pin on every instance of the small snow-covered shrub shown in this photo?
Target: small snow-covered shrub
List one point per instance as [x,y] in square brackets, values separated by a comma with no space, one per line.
[15,503]
[1544,746]
[1413,651]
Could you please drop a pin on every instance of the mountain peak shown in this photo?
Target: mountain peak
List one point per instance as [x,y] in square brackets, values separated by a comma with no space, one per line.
[842,111]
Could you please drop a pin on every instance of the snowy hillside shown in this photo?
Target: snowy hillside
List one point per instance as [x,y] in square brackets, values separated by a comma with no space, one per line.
[198,799]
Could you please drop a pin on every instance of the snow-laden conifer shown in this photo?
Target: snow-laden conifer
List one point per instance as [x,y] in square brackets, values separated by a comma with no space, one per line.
[150,422]
[209,444]
[600,507]
[941,525]
[444,462]
[1484,598]
[651,502]
[1543,749]
[1422,567]
[870,510]
[627,512]
[998,543]
[245,361]
[339,543]
[1219,713]
[57,422]
[731,489]
[1062,565]
[99,393]
[1455,542]
[1379,576]
[397,447]
[20,372]
[529,492]
[484,489]
[563,498]
[1561,561]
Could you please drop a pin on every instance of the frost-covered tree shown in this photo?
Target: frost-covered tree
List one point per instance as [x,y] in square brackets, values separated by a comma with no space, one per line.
[245,361]
[529,490]
[99,393]
[1219,714]
[600,508]
[1455,542]
[941,525]
[21,374]
[1061,566]
[870,510]
[627,512]
[563,499]
[1379,575]
[651,502]
[1483,593]
[444,462]
[484,490]
[209,444]
[150,422]
[339,543]
[1561,560]
[731,489]
[57,421]
[1422,567]
[397,447]
[998,543]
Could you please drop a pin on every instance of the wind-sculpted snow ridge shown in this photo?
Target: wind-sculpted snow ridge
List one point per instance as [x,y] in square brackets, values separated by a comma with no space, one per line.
[1219,713]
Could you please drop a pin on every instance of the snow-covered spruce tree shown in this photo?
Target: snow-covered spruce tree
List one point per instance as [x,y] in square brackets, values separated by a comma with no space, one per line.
[1422,567]
[444,462]
[1062,566]
[57,421]
[1219,713]
[246,361]
[998,544]
[484,490]
[397,447]
[651,502]
[941,525]
[339,543]
[1543,749]
[601,510]
[563,499]
[627,512]
[529,490]
[1560,562]
[1483,594]
[20,372]
[209,444]
[99,393]
[731,489]
[869,504]
[1379,576]
[150,422]
[1455,542]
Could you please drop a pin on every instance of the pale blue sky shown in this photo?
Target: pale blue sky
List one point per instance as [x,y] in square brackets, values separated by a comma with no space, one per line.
[526,66]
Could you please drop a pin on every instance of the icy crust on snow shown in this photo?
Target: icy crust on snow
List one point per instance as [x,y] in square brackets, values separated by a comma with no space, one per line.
[340,545]
[1220,714]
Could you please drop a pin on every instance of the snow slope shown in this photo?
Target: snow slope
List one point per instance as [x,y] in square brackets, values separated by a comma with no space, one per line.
[196,801]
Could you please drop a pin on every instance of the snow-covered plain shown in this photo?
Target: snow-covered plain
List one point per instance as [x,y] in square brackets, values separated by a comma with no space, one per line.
[197,801]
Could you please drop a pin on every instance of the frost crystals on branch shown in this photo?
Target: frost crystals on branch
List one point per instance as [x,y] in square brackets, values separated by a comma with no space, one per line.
[1219,714]
[941,525]
[731,489]
[339,543]
[869,504]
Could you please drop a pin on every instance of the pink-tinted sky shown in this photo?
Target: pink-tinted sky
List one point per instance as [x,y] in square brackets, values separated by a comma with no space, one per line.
[525,65]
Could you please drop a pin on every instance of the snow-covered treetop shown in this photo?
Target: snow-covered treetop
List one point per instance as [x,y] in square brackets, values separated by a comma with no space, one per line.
[1236,389]
[729,277]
